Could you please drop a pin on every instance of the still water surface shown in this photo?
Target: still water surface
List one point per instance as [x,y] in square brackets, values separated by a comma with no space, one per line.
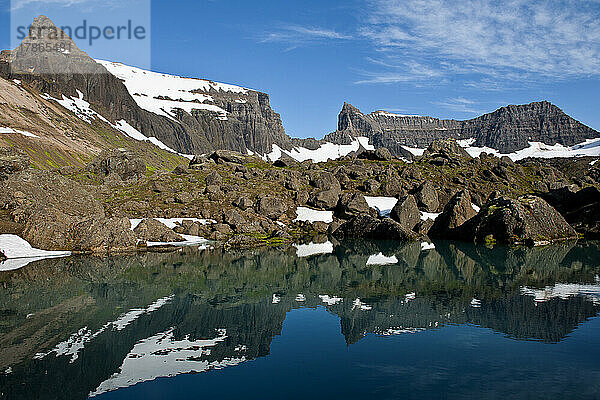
[362,320]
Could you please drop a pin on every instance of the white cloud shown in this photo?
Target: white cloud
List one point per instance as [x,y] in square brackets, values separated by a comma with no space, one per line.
[511,40]
[296,35]
[459,104]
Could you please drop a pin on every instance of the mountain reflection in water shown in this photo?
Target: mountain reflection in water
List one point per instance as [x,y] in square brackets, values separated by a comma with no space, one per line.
[85,326]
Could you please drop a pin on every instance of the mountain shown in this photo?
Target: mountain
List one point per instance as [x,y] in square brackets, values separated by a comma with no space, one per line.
[507,130]
[64,107]
[182,115]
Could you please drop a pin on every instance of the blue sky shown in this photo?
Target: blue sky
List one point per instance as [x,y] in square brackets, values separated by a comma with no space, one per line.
[440,58]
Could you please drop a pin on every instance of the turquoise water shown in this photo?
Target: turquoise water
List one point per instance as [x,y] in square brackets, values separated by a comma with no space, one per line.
[456,322]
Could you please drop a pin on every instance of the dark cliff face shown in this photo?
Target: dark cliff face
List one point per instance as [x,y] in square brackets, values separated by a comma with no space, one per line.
[251,124]
[507,129]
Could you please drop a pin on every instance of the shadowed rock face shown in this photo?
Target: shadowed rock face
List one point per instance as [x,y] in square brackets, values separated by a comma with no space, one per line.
[507,129]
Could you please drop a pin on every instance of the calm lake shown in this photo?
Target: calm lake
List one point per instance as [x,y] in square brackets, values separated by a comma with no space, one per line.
[350,320]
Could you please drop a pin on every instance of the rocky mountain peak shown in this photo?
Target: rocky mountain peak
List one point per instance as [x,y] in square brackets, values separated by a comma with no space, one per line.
[508,129]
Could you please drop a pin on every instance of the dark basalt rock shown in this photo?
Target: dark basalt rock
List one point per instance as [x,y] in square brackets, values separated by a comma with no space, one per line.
[155,231]
[351,204]
[406,212]
[427,197]
[325,199]
[271,207]
[458,211]
[528,220]
[367,227]
[109,235]
[581,209]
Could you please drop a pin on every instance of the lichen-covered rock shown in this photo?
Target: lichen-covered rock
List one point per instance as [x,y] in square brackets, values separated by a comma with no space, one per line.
[458,211]
[151,230]
[527,220]
[351,204]
[325,199]
[271,207]
[427,197]
[406,212]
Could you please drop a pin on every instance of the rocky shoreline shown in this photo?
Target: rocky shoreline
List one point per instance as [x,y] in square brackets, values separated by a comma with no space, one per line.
[117,205]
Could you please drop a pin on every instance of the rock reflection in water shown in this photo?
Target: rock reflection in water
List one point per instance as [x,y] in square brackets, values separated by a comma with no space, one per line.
[84,326]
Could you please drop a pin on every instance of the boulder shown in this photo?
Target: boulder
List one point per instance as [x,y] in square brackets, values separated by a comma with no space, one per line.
[527,220]
[445,151]
[109,235]
[213,179]
[151,230]
[118,162]
[180,170]
[424,226]
[381,154]
[351,204]
[580,208]
[406,212]
[12,160]
[427,197]
[271,207]
[458,211]
[325,181]
[2,256]
[367,227]
[199,160]
[243,203]
[325,199]
[370,186]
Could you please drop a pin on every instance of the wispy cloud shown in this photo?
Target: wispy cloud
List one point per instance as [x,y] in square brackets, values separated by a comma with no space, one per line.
[514,40]
[296,35]
[459,104]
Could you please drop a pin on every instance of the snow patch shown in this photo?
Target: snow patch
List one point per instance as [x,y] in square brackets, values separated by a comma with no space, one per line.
[307,250]
[163,94]
[330,301]
[162,355]
[327,151]
[427,246]
[20,253]
[427,215]
[380,259]
[79,339]
[359,305]
[133,133]
[24,133]
[306,214]
[564,291]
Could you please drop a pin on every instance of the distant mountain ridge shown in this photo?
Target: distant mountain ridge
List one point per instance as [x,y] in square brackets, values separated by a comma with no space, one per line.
[507,129]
